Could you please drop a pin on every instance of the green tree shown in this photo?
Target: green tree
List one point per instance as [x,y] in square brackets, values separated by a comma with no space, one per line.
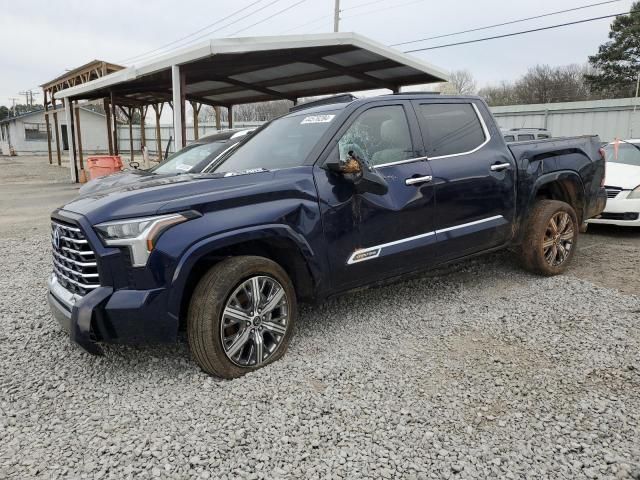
[617,63]
[4,112]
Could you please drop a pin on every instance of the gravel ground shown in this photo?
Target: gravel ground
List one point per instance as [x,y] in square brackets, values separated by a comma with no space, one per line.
[476,371]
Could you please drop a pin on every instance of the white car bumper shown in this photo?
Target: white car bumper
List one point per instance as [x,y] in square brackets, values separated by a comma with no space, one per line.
[620,211]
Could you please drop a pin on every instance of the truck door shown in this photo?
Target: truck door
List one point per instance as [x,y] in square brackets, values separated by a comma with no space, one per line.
[370,237]
[473,176]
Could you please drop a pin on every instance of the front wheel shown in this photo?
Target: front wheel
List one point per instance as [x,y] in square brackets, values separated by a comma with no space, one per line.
[550,238]
[241,316]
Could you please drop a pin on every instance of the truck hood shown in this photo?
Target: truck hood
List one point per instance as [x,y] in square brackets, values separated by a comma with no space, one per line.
[115,180]
[622,175]
[192,191]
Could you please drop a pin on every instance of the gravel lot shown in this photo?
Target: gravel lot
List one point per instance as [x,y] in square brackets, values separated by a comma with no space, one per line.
[476,371]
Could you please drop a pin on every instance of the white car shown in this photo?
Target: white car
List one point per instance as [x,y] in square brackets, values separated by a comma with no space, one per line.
[622,182]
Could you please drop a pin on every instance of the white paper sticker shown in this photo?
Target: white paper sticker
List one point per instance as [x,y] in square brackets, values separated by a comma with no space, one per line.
[184,167]
[317,119]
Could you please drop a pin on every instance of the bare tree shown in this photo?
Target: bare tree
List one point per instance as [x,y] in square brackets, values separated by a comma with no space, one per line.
[461,82]
[542,84]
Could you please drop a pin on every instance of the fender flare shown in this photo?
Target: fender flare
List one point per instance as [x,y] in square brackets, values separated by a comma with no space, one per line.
[208,245]
[561,175]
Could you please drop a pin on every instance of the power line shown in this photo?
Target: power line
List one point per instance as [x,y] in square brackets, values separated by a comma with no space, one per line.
[362,5]
[193,40]
[511,22]
[193,33]
[383,9]
[316,20]
[268,18]
[327,16]
[516,33]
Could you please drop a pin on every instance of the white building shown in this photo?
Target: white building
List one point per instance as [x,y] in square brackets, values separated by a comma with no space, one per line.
[27,134]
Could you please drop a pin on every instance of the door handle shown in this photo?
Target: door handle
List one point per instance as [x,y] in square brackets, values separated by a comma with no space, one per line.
[500,166]
[416,180]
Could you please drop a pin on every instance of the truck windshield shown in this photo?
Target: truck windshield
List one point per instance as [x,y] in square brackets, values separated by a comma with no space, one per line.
[285,142]
[627,153]
[186,159]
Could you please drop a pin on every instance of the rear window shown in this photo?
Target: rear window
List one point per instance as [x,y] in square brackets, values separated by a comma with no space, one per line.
[452,128]
[625,153]
[525,136]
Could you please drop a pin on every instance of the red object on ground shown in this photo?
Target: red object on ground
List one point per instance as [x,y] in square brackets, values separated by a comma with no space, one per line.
[101,165]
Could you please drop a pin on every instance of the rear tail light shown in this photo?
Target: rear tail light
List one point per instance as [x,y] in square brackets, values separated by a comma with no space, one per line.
[604,173]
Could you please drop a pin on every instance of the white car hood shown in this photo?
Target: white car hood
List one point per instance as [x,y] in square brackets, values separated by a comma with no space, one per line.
[622,175]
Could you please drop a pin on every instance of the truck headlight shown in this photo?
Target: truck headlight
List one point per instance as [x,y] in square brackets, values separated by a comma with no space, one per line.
[635,193]
[139,234]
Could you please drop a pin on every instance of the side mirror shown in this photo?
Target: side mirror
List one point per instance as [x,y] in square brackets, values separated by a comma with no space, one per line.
[358,171]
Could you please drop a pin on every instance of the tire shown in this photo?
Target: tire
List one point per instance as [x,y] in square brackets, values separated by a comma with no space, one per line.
[546,251]
[224,338]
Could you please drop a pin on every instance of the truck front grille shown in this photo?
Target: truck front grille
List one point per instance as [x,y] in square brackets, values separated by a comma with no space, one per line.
[74,262]
[612,192]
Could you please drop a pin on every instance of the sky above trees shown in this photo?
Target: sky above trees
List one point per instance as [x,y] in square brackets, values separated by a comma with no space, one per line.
[42,39]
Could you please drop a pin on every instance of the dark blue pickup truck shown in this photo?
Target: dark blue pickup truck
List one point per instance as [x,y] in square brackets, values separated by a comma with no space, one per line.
[330,197]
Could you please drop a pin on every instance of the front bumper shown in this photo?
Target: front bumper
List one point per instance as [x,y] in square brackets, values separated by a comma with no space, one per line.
[108,316]
[75,314]
[620,211]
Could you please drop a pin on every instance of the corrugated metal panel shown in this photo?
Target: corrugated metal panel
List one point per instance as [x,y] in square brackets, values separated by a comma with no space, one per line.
[609,119]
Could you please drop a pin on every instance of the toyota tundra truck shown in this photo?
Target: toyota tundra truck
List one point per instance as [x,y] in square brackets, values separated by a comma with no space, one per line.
[336,195]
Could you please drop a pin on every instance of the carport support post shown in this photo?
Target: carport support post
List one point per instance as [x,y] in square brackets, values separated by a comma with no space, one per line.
[70,139]
[55,125]
[107,112]
[196,112]
[114,116]
[79,137]
[177,84]
[217,110]
[158,109]
[230,116]
[143,133]
[46,120]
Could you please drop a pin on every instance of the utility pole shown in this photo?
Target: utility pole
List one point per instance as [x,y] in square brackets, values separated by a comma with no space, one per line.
[28,96]
[13,107]
[336,17]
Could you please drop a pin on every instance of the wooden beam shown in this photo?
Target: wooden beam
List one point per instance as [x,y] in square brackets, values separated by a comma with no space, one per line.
[46,121]
[196,111]
[116,147]
[218,122]
[130,117]
[107,111]
[158,109]
[143,133]
[71,139]
[55,125]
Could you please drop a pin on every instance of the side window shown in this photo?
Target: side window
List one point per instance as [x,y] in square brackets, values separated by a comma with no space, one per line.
[380,134]
[451,127]
[543,135]
[509,138]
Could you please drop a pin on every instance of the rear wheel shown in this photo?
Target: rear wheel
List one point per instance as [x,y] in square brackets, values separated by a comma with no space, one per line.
[241,316]
[550,238]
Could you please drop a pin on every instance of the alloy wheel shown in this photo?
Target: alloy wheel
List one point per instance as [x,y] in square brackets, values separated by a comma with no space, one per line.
[254,321]
[558,239]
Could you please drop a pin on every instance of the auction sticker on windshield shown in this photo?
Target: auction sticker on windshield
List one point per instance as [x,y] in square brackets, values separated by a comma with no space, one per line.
[317,119]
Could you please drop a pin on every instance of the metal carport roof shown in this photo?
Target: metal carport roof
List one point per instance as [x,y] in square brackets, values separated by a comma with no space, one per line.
[243,70]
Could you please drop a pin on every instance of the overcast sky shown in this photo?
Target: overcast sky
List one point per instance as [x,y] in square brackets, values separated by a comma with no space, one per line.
[42,38]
